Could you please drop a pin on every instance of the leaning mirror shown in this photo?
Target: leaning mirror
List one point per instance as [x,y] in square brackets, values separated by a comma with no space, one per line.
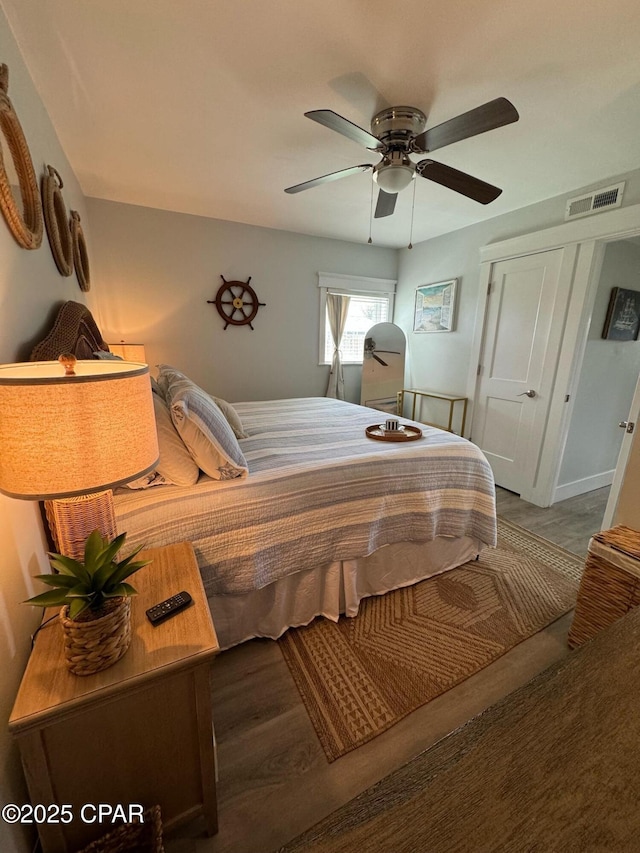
[383,367]
[19,196]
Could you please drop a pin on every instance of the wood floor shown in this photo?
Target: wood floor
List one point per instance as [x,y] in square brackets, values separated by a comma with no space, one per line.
[570,523]
[274,779]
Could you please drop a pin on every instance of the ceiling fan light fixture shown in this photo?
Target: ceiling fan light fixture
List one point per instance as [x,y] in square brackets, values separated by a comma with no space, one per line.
[394,173]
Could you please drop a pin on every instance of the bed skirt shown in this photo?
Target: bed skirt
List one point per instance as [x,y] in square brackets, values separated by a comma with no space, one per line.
[334,589]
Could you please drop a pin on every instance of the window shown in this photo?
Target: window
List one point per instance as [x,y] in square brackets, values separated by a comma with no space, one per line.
[371,302]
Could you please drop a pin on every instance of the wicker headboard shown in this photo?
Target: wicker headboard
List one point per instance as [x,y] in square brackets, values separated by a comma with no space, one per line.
[74,331]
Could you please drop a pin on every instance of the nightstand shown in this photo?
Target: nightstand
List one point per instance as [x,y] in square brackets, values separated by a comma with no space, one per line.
[139,732]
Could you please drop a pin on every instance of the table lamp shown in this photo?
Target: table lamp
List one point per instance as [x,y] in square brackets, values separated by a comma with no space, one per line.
[129,352]
[70,432]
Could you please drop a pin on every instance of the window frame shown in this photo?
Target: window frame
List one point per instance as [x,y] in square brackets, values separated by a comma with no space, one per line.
[350,285]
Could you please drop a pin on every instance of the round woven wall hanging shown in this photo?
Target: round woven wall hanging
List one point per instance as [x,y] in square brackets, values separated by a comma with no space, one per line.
[80,255]
[57,222]
[26,224]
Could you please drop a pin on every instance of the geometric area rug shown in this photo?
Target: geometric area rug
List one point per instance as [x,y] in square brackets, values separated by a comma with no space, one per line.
[362,675]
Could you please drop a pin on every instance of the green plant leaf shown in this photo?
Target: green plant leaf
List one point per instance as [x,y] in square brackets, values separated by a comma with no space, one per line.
[82,590]
[48,599]
[103,575]
[126,560]
[59,580]
[107,554]
[77,606]
[67,565]
[124,589]
[125,570]
[92,548]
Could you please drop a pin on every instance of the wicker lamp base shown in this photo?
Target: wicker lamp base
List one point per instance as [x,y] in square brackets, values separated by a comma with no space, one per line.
[92,645]
[71,520]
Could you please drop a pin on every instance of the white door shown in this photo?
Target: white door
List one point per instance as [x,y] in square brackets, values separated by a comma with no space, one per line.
[623,497]
[523,330]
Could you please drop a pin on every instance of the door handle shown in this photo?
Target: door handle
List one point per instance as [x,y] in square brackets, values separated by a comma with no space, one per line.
[628,426]
[529,393]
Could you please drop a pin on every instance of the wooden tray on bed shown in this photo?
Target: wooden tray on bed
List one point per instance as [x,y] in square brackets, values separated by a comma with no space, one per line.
[405,433]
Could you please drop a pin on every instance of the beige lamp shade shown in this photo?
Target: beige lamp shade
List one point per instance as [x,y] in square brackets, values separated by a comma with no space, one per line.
[63,436]
[129,352]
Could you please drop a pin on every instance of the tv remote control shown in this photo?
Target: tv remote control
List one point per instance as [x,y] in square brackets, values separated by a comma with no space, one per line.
[159,612]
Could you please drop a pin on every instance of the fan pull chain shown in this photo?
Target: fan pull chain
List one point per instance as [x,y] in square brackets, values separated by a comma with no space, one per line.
[370,241]
[413,208]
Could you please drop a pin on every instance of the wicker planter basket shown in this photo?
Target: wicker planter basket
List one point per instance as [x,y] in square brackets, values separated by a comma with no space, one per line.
[91,645]
[133,837]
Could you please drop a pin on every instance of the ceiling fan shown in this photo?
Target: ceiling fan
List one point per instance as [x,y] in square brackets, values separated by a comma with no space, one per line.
[370,351]
[397,132]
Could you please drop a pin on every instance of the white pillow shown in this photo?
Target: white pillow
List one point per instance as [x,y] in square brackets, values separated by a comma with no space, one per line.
[147,481]
[176,464]
[232,417]
[204,430]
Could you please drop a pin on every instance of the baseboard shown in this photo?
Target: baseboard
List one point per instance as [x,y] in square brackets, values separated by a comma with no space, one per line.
[586,484]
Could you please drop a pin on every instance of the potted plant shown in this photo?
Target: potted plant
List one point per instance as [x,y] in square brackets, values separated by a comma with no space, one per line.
[95,600]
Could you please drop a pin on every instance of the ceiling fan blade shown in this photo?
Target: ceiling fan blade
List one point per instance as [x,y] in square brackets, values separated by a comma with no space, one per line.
[347,128]
[494,114]
[457,181]
[332,176]
[386,204]
[383,363]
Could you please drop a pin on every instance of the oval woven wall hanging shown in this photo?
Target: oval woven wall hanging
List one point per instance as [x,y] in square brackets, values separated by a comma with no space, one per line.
[26,225]
[57,222]
[80,254]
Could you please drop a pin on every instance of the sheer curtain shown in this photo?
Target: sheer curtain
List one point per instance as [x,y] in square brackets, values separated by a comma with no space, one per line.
[337,309]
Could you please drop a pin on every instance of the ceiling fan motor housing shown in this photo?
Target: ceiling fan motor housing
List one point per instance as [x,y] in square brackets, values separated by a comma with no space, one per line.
[396,126]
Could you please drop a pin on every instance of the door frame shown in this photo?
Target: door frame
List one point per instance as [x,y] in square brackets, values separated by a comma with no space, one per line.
[584,242]
[623,458]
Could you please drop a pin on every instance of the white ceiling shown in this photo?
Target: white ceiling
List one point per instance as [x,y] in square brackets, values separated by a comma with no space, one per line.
[197,105]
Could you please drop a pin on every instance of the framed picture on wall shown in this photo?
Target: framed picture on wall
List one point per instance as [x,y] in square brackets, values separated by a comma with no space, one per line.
[622,322]
[435,307]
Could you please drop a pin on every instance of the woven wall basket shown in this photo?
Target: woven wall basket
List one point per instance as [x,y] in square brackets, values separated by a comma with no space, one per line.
[95,644]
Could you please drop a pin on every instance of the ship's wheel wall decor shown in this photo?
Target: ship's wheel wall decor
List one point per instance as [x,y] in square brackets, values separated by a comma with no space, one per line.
[237,303]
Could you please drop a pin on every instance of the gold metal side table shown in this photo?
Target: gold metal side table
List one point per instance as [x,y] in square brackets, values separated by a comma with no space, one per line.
[436,395]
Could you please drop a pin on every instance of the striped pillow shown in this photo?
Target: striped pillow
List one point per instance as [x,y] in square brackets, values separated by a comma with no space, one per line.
[204,430]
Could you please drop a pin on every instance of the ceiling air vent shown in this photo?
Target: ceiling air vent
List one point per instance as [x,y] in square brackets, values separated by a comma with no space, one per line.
[604,199]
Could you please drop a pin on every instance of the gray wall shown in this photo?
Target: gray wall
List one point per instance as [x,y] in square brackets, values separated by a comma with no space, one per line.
[440,361]
[30,286]
[608,377]
[158,269]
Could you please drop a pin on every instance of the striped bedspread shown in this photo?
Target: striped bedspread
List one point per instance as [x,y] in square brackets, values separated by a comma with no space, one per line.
[318,490]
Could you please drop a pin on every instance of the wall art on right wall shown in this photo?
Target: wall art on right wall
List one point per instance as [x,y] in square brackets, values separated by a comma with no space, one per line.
[435,307]
[622,322]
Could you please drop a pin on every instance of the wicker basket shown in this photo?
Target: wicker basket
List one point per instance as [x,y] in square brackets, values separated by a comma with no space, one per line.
[136,837]
[91,645]
[610,584]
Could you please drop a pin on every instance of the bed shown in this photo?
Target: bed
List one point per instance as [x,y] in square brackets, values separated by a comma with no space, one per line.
[325,517]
